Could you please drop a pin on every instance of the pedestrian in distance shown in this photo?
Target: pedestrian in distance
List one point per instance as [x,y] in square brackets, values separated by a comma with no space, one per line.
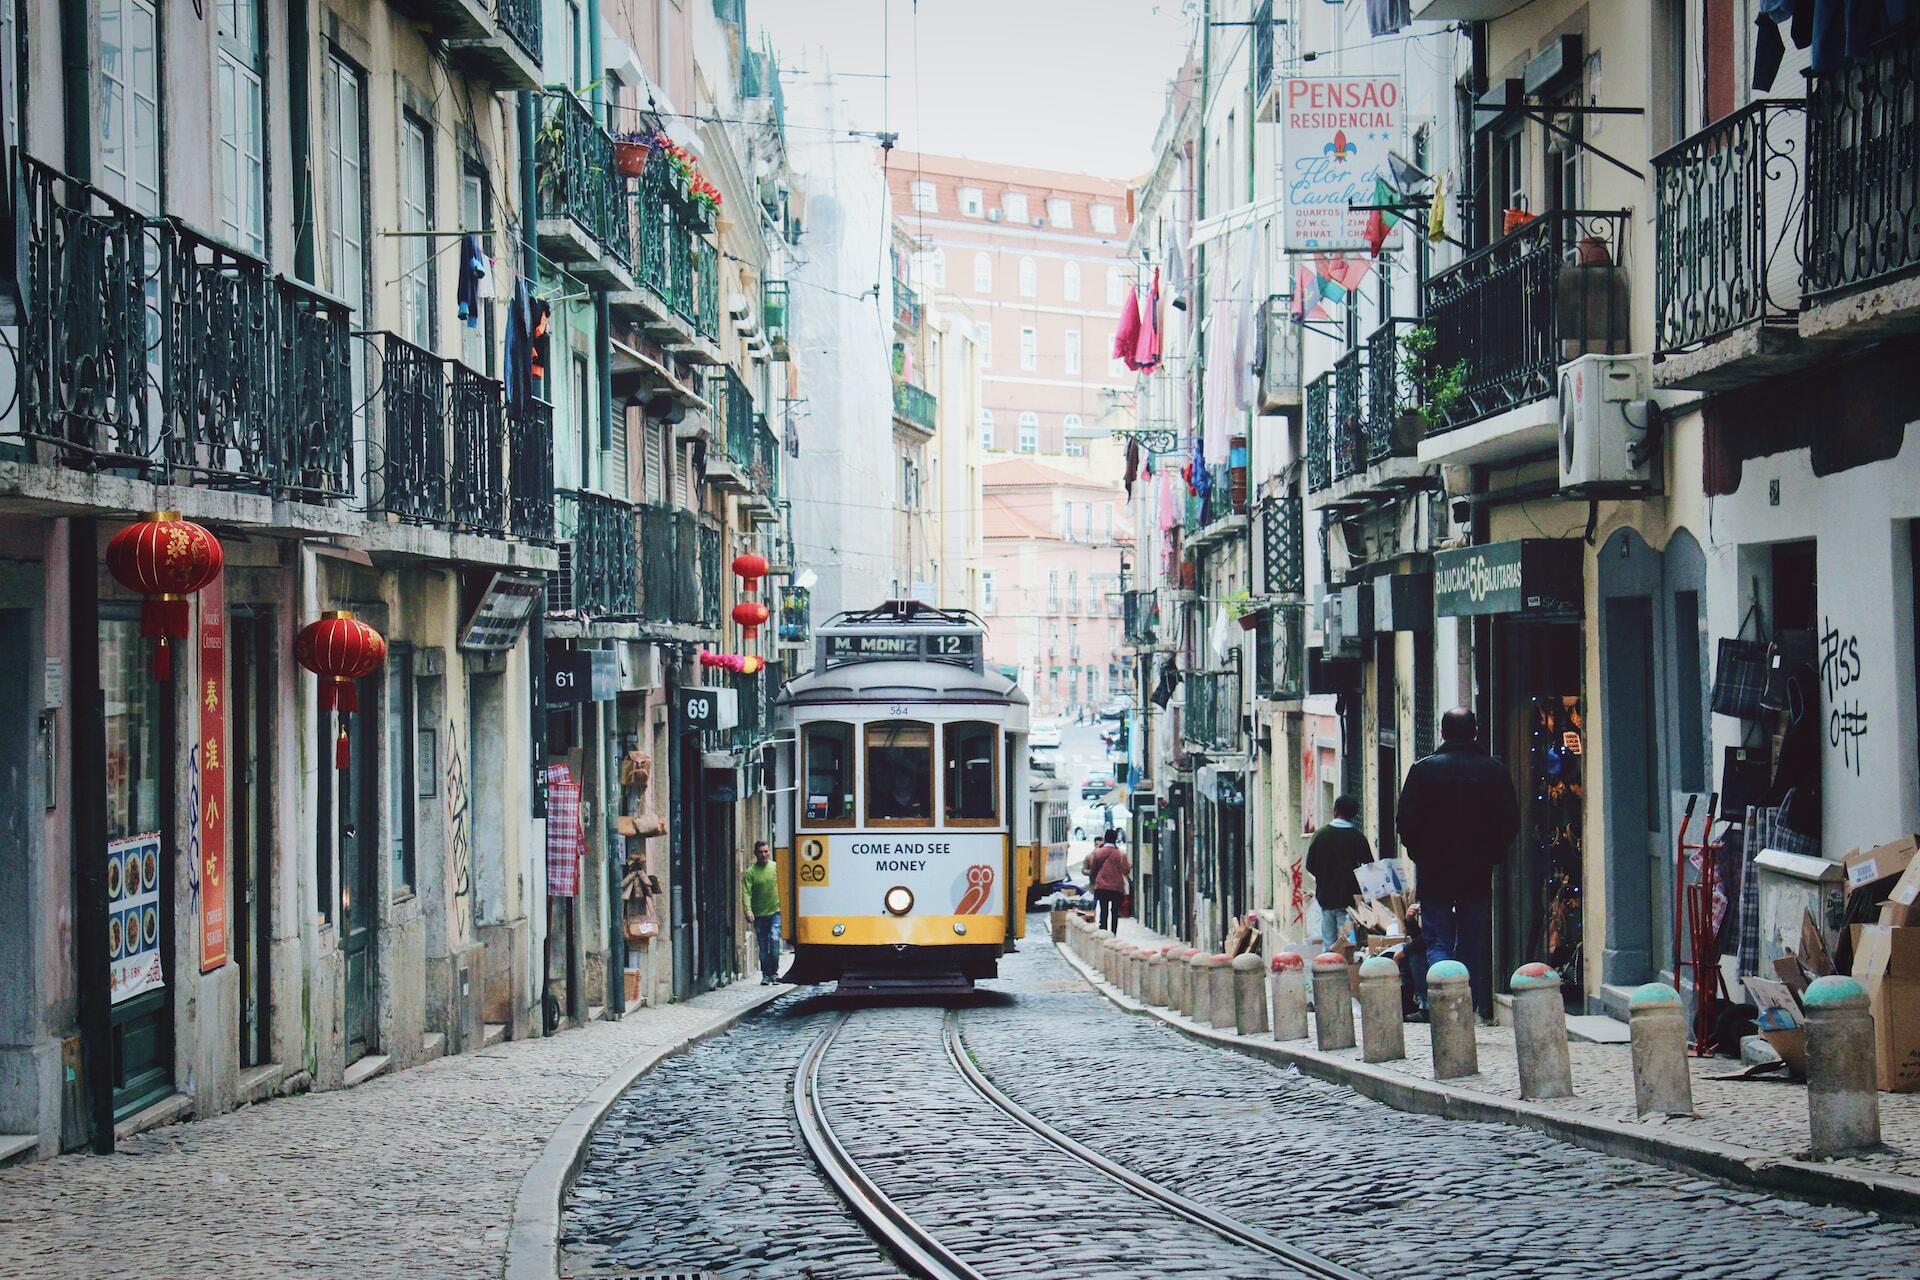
[1457,817]
[761,893]
[1337,849]
[1110,868]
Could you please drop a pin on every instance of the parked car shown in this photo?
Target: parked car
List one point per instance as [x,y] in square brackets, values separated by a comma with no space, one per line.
[1043,734]
[1098,783]
[1114,711]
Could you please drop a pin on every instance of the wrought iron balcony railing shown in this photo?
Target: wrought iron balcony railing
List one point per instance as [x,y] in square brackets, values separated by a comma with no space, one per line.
[520,21]
[706,542]
[530,471]
[680,567]
[1393,395]
[1283,561]
[1262,49]
[413,400]
[1211,719]
[913,405]
[706,287]
[757,695]
[1319,443]
[773,316]
[1730,223]
[1140,614]
[476,415]
[600,557]
[1863,170]
[1518,309]
[1289,624]
[733,415]
[764,464]
[149,347]
[906,306]
[573,159]
[1348,414]
[655,223]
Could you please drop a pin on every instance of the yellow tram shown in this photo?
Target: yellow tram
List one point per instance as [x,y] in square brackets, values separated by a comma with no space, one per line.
[903,831]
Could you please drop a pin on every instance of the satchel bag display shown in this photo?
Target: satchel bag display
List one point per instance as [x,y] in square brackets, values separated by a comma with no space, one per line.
[1790,655]
[1745,775]
[1740,671]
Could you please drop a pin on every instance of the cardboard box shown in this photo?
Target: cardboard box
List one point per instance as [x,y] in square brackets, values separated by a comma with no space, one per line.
[1867,867]
[1887,962]
[1900,907]
[632,977]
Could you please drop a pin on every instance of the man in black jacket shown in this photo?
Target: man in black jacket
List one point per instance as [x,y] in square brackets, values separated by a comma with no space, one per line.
[1336,850]
[1457,817]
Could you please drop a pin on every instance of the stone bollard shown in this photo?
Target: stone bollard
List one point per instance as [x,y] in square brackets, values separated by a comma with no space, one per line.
[1196,1005]
[1289,983]
[1332,1002]
[1383,1033]
[1249,996]
[1662,1084]
[1137,972]
[1157,977]
[1097,951]
[1540,1033]
[1219,1007]
[1843,1105]
[1450,1013]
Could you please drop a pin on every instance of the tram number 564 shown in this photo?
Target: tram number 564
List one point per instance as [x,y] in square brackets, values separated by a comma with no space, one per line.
[813,862]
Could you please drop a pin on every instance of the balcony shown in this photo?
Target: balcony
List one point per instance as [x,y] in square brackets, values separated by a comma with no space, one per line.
[680,572]
[1140,614]
[773,315]
[730,456]
[1263,58]
[1211,720]
[585,221]
[1508,316]
[1280,374]
[1348,414]
[498,40]
[1863,210]
[599,576]
[477,494]
[1283,561]
[913,406]
[530,472]
[763,473]
[675,290]
[1319,442]
[1727,249]
[906,307]
[246,384]
[758,696]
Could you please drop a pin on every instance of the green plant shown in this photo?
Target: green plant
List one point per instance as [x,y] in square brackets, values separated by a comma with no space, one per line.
[1435,389]
[1240,604]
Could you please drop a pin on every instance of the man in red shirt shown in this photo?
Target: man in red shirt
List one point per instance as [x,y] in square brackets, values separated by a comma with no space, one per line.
[1110,867]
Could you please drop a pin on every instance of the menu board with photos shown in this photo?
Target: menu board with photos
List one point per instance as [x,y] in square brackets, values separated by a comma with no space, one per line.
[133,916]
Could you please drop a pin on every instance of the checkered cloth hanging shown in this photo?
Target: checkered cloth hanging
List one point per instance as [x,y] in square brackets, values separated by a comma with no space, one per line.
[566,841]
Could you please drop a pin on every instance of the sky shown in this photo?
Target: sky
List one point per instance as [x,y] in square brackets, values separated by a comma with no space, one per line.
[1075,85]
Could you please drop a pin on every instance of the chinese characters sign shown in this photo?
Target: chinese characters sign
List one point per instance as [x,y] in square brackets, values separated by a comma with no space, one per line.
[213,774]
[1336,133]
[133,916]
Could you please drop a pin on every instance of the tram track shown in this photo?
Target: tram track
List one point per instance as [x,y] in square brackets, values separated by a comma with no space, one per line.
[920,1248]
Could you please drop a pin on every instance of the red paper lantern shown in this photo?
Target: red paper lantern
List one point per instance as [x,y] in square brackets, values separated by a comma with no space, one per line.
[340,649]
[751,568]
[751,615]
[166,559]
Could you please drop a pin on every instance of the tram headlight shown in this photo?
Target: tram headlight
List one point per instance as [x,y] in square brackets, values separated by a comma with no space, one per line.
[839,930]
[899,900]
[960,927]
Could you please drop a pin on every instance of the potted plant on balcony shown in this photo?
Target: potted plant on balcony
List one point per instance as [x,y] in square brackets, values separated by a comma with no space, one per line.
[1244,610]
[680,170]
[1431,390]
[630,152]
[705,203]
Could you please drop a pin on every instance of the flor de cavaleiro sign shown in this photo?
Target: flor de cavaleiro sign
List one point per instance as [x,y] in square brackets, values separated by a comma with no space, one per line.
[1336,133]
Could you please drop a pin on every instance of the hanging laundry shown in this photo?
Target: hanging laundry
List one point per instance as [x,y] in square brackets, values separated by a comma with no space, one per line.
[1178,269]
[1169,508]
[1437,212]
[488,288]
[517,365]
[540,340]
[1133,465]
[1127,336]
[1146,350]
[566,841]
[1385,17]
[473,269]
[1246,376]
[1768,51]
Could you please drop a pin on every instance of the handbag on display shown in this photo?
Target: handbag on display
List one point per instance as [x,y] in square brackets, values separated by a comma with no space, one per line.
[1740,671]
[1745,774]
[1790,654]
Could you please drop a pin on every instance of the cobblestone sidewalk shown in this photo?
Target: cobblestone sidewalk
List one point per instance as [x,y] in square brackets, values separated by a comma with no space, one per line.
[1764,1118]
[412,1174]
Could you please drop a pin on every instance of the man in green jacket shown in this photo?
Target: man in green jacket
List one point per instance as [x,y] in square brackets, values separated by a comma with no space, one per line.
[760,891]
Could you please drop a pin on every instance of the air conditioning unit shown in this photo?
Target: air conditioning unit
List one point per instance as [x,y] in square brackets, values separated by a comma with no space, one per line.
[1609,425]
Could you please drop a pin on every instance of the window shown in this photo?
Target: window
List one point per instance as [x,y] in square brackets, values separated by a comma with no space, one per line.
[1073,591]
[1029,348]
[1070,424]
[476,342]
[347,230]
[986,428]
[577,390]
[1069,429]
[1053,599]
[1103,217]
[401,783]
[130,103]
[1015,205]
[988,601]
[1073,350]
[982,273]
[576,48]
[829,768]
[973,791]
[1059,212]
[416,214]
[1070,282]
[924,199]
[983,338]
[899,773]
[1075,449]
[937,268]
[242,142]
[1116,286]
[1029,278]
[970,202]
[1029,433]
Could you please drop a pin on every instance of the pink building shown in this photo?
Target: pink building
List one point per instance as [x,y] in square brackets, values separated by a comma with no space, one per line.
[1055,548]
[1037,261]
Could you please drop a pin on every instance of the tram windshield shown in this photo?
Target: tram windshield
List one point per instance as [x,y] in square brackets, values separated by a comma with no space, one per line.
[829,770]
[972,796]
[899,772]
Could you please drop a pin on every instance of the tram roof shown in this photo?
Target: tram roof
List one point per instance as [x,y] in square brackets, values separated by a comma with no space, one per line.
[923,681]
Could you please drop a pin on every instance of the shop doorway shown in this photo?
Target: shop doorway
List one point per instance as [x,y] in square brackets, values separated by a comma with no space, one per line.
[357,809]
[1386,745]
[687,811]
[139,856]
[250,757]
[717,883]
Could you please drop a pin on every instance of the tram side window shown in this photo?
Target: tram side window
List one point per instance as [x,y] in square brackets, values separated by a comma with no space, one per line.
[972,796]
[829,756]
[899,773]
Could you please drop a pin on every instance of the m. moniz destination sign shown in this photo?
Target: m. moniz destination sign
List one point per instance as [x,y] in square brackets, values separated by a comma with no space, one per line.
[961,648]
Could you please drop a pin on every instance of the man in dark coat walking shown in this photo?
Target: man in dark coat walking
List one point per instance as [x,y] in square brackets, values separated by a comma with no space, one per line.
[1457,817]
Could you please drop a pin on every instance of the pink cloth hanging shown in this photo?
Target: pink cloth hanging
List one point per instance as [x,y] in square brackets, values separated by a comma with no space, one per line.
[1146,351]
[1127,336]
[1169,511]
